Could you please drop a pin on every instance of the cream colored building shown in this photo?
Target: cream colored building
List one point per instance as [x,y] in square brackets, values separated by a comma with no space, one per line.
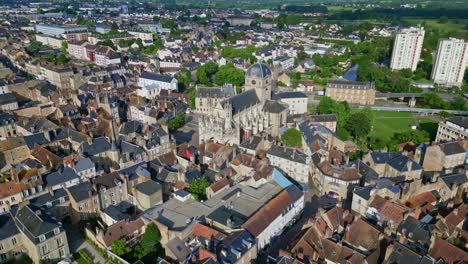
[362,93]
[453,129]
[450,62]
[407,48]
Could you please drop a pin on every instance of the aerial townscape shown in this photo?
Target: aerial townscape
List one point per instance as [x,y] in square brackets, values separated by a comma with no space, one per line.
[216,131]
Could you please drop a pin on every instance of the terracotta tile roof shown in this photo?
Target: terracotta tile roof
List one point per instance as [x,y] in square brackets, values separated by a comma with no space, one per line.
[9,188]
[207,232]
[362,234]
[168,158]
[421,200]
[448,252]
[46,157]
[204,254]
[268,213]
[456,217]
[340,254]
[388,210]
[342,173]
[219,185]
[338,216]
[121,229]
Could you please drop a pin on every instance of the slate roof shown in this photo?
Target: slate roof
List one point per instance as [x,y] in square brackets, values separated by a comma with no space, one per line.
[290,95]
[322,118]
[363,192]
[242,101]
[148,187]
[452,148]
[156,77]
[454,179]
[403,164]
[51,197]
[33,225]
[36,139]
[7,227]
[291,154]
[274,107]
[81,191]
[258,70]
[84,164]
[98,145]
[7,118]
[459,120]
[345,84]
[416,231]
[7,98]
[57,177]
[131,127]
[215,92]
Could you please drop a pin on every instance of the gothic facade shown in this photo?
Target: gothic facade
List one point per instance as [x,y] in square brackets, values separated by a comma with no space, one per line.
[238,117]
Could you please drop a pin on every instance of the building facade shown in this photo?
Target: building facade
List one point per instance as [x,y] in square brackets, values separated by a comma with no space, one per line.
[353,92]
[450,62]
[407,48]
[453,129]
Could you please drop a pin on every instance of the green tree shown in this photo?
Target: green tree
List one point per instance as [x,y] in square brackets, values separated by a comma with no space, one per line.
[415,136]
[359,125]
[202,77]
[292,137]
[34,47]
[229,74]
[64,46]
[119,247]
[184,78]
[211,68]
[177,122]
[433,100]
[61,59]
[106,42]
[152,236]
[198,188]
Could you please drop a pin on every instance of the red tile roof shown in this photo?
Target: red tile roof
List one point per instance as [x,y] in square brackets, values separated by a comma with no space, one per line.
[268,213]
[448,252]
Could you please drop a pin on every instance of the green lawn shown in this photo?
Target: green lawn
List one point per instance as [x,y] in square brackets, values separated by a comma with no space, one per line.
[453,25]
[387,123]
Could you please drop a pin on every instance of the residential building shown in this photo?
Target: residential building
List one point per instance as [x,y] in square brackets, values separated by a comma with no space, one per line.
[450,62]
[42,237]
[271,219]
[292,161]
[407,48]
[112,189]
[84,201]
[444,157]
[329,121]
[453,129]
[8,102]
[13,151]
[353,92]
[148,194]
[151,84]
[296,101]
[7,125]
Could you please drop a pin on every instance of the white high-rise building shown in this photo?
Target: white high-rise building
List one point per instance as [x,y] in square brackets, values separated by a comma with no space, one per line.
[450,62]
[407,48]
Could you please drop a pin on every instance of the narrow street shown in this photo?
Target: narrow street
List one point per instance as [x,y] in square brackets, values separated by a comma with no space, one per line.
[77,242]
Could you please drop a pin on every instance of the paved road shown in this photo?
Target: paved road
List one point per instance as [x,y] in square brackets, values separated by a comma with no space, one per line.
[77,242]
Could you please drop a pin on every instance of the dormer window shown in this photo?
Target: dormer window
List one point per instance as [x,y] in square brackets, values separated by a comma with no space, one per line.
[56,231]
[41,238]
